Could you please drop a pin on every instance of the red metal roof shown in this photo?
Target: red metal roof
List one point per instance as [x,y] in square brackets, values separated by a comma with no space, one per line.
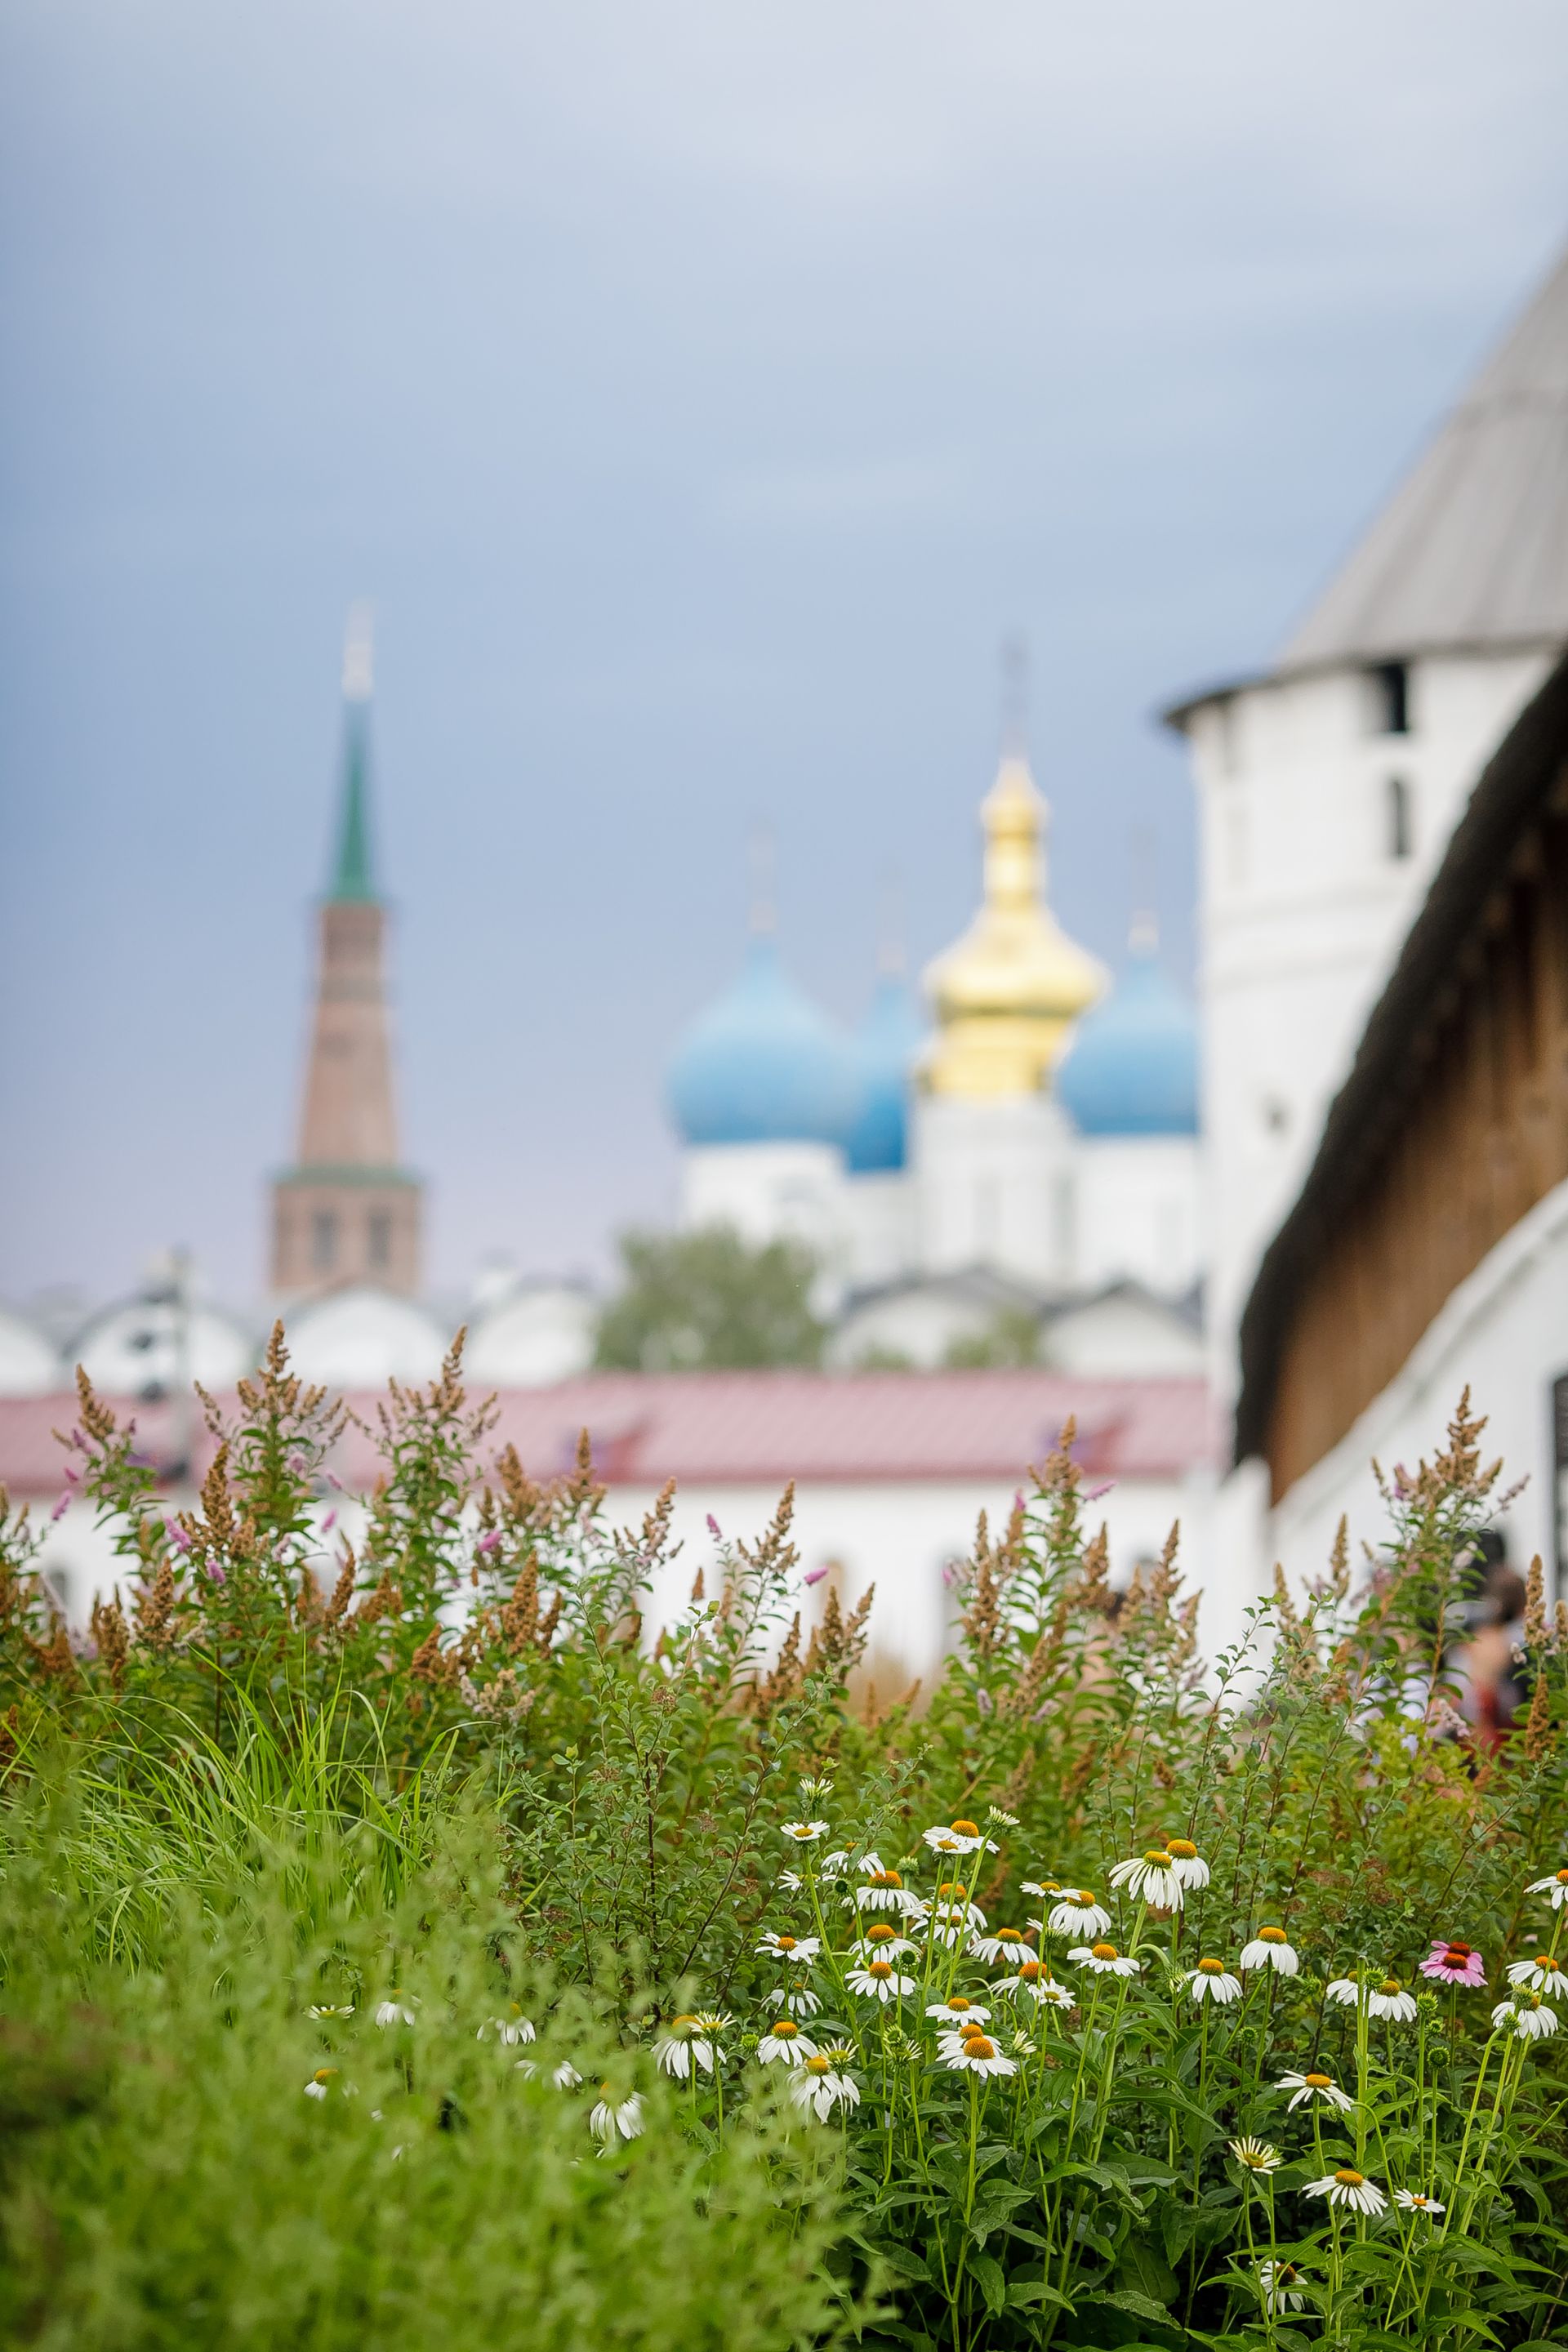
[762,1428]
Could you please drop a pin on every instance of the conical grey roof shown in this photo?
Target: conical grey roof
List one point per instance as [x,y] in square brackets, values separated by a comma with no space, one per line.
[1472,549]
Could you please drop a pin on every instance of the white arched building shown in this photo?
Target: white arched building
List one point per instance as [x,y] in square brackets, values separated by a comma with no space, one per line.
[1029,1150]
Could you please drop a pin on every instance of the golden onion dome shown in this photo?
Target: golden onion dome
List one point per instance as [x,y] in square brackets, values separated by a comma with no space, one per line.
[1006,995]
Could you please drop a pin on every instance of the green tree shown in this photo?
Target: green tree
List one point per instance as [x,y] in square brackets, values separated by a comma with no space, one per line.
[706,1301]
[1011,1338]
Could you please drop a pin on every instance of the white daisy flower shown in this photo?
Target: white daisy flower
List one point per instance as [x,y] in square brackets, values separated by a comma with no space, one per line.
[1151,1878]
[1255,2154]
[803,1832]
[608,2115]
[795,1998]
[1304,2088]
[1389,1999]
[1414,2200]
[680,2049]
[1079,1914]
[394,2010]
[1187,1864]
[884,1891]
[835,1864]
[1035,1978]
[1212,1981]
[1344,1991]
[822,2083]
[1044,1887]
[1107,1962]
[321,2082]
[1348,2186]
[792,1881]
[787,2043]
[798,1950]
[1544,1974]
[959,1837]
[958,2012]
[1278,2282]
[950,1924]
[882,1943]
[1531,2021]
[1002,1944]
[1003,1820]
[512,2029]
[331,2009]
[708,2028]
[977,2055]
[526,2068]
[955,1894]
[1556,1887]
[879,1980]
[565,2076]
[1270,1948]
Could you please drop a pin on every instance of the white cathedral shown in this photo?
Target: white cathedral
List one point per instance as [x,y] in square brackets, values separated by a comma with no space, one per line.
[1030,1151]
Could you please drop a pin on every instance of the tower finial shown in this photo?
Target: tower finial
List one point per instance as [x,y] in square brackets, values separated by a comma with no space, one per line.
[763,914]
[1014,694]
[351,875]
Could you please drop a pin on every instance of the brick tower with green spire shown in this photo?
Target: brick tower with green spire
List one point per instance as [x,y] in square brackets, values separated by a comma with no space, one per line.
[347,1211]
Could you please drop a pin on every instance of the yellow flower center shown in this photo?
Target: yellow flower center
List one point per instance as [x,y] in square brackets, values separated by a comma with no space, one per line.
[1183,1846]
[783,1943]
[880,1935]
[880,1969]
[1546,1961]
[886,1879]
[682,2023]
[1535,2002]
[1271,1936]
[954,1887]
[784,2031]
[1029,1971]
[323,2074]
[1349,2178]
[1562,1878]
[818,2066]
[1083,1896]
[1104,1951]
[976,2046]
[1319,2082]
[959,2003]
[966,1828]
[1390,1985]
[1158,1857]
[1211,1967]
[1009,1934]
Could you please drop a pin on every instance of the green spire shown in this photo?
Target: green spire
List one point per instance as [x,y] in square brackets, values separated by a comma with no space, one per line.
[352,877]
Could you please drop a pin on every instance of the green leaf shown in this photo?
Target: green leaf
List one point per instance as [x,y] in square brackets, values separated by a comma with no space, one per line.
[993,2285]
[1131,2299]
[1021,2293]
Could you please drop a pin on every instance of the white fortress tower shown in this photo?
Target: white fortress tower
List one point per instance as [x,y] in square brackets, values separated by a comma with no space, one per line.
[1327,787]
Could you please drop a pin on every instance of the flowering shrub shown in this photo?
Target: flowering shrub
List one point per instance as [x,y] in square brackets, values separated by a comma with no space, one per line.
[1126,2002]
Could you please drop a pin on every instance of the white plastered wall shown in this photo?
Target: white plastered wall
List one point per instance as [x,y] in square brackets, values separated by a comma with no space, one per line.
[1504,1334]
[994,1185]
[1303,909]
[1138,1210]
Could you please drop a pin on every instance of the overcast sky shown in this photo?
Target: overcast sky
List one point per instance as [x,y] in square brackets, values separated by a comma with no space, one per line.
[700,393]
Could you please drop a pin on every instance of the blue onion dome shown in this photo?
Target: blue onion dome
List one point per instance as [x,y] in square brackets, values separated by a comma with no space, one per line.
[1133,1066]
[882,1052]
[762,1064]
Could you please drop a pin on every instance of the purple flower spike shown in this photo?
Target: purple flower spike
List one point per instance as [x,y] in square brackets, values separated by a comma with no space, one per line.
[328,1523]
[713,1526]
[816,1575]
[489,1543]
[1095,1493]
[73,1476]
[178,1536]
[1456,1964]
[61,1507]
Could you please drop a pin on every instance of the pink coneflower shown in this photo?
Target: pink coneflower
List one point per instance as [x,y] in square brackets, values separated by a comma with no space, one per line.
[1456,1964]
